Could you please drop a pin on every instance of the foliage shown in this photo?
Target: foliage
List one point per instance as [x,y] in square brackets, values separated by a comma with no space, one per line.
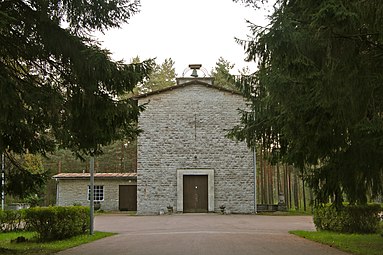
[33,200]
[348,219]
[361,244]
[59,88]
[119,156]
[33,246]
[252,3]
[161,76]
[25,176]
[57,85]
[11,220]
[222,76]
[316,98]
[56,222]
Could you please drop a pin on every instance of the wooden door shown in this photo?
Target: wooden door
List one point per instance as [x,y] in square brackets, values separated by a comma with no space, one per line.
[195,193]
[127,198]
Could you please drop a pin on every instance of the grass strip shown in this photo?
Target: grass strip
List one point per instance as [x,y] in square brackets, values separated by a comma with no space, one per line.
[32,246]
[360,244]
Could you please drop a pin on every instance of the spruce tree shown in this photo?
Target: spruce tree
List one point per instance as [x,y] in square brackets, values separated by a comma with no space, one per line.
[317,94]
[57,85]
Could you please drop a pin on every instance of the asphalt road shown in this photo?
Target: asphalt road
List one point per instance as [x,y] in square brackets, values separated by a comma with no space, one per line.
[200,234]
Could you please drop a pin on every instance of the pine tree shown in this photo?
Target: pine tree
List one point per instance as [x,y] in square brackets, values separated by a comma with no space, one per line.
[221,74]
[162,76]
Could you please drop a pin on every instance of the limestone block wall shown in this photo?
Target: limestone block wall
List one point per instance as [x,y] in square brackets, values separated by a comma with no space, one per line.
[75,191]
[185,128]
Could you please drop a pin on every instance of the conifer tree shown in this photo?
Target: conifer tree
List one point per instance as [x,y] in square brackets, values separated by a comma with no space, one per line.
[221,74]
[162,76]
[317,94]
[58,87]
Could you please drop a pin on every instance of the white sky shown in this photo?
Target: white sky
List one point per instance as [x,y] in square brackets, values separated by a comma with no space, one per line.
[189,32]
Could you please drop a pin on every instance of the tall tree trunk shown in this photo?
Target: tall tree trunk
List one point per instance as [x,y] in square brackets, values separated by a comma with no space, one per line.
[304,194]
[271,184]
[311,199]
[296,192]
[265,186]
[286,186]
[289,184]
[262,190]
[265,180]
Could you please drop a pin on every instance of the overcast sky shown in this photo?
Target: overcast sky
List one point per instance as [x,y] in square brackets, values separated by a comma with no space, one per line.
[189,32]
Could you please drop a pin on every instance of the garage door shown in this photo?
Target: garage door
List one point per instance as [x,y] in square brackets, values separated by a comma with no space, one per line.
[127,198]
[195,193]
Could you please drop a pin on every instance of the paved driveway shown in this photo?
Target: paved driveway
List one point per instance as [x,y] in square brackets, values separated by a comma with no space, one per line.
[211,234]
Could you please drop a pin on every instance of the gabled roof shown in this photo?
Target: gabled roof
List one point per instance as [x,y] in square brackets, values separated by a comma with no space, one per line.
[96,176]
[193,81]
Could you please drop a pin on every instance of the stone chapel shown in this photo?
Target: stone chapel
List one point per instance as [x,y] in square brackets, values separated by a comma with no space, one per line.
[185,162]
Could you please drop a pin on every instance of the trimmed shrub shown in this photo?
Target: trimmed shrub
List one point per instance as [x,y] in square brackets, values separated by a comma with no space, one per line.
[348,219]
[11,220]
[57,222]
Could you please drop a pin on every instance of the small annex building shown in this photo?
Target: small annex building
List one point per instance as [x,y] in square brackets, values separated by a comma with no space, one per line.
[185,162]
[112,191]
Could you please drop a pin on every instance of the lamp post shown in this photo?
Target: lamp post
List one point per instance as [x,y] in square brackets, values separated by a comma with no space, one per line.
[2,181]
[91,194]
[255,177]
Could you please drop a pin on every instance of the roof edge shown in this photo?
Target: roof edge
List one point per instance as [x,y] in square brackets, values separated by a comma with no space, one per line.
[197,81]
[67,176]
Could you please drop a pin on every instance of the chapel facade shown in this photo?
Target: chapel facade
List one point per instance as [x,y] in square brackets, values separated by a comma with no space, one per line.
[185,162]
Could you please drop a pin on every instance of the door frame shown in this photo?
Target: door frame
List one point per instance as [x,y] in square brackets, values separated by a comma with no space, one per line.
[210,186]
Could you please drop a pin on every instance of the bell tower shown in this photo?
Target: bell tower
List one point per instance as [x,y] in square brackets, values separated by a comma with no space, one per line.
[195,72]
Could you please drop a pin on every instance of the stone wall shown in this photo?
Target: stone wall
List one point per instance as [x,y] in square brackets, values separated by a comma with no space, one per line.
[75,191]
[185,128]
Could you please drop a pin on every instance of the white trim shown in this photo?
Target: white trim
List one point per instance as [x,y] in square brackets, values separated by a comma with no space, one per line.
[180,186]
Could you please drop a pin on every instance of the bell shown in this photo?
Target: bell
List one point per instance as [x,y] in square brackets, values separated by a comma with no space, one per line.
[194,73]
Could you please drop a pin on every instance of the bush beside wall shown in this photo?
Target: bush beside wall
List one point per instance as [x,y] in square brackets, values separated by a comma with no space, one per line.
[56,222]
[348,219]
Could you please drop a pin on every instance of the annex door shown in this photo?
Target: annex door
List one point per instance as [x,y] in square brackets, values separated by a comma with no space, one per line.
[195,193]
[127,198]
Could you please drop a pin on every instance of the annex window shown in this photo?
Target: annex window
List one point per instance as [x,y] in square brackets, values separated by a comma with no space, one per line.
[98,193]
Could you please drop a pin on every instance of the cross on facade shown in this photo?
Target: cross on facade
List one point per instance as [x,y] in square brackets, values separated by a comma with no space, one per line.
[195,124]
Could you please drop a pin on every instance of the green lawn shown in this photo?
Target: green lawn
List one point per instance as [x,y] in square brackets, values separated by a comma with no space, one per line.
[34,247]
[371,244]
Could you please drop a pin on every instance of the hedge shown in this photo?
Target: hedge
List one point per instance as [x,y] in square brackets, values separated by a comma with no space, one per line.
[56,222]
[348,219]
[11,220]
